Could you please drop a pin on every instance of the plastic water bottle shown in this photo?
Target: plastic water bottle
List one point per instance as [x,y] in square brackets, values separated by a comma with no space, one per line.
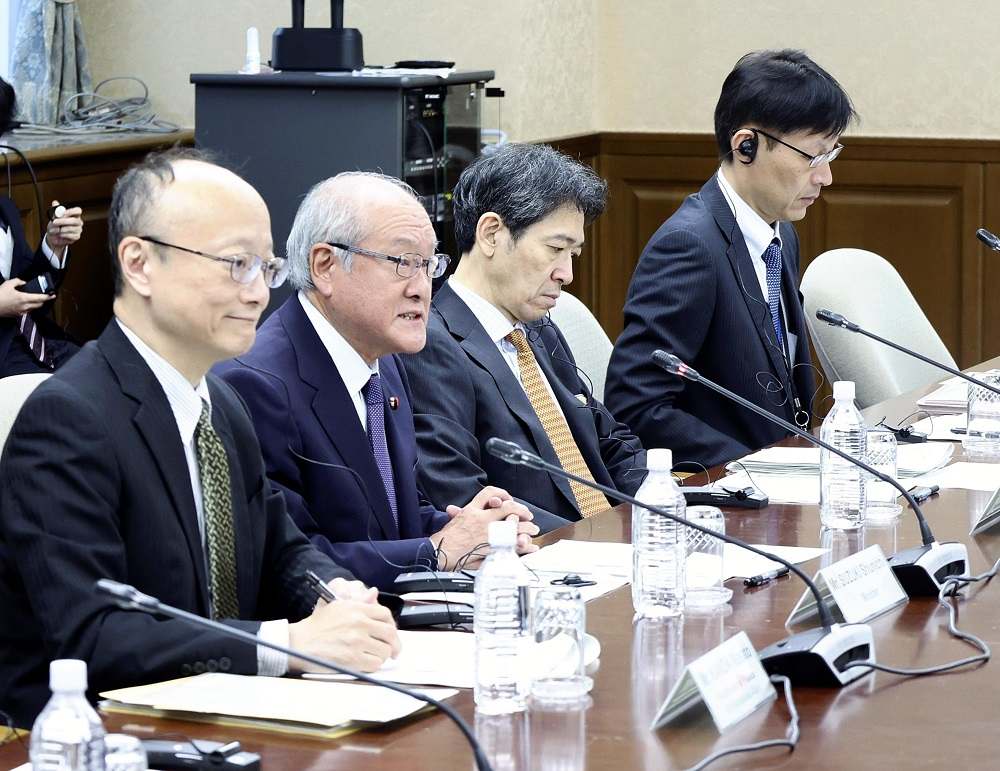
[501,626]
[658,548]
[67,735]
[842,497]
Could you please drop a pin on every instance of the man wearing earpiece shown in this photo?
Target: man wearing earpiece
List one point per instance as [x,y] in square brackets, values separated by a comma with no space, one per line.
[717,284]
[495,365]
[30,341]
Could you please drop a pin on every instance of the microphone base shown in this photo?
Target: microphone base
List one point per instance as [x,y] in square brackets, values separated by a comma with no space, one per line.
[818,657]
[923,569]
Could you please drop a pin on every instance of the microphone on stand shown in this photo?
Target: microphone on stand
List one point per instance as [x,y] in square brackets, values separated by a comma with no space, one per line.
[921,570]
[837,320]
[817,657]
[992,241]
[129,598]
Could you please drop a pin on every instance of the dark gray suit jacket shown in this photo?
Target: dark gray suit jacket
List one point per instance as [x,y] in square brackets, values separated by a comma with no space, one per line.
[94,484]
[464,393]
[694,293]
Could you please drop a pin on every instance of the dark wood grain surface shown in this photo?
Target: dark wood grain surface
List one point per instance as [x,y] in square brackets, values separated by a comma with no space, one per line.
[882,721]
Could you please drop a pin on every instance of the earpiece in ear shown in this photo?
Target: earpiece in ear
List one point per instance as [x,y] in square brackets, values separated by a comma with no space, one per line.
[748,149]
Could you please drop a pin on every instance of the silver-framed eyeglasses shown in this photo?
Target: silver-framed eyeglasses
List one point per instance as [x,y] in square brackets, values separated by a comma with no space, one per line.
[814,160]
[407,264]
[243,267]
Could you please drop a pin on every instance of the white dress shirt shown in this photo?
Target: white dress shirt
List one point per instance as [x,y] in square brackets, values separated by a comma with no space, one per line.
[186,403]
[354,371]
[757,234]
[7,254]
[497,327]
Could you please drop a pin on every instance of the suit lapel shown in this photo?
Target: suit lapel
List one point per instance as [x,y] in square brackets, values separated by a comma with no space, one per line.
[465,327]
[746,276]
[335,411]
[155,421]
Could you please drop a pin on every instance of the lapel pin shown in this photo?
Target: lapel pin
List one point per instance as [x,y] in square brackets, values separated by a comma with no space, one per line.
[393,403]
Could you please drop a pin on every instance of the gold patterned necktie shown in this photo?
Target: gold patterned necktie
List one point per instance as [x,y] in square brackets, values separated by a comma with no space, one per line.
[213,469]
[588,501]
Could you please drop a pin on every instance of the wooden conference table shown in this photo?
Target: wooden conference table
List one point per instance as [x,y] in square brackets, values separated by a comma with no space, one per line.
[881,721]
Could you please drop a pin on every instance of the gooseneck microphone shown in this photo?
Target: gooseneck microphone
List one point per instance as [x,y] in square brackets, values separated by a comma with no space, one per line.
[921,570]
[129,598]
[992,241]
[837,320]
[819,657]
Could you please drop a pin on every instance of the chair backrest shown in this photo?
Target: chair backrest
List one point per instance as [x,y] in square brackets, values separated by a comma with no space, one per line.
[866,289]
[590,345]
[14,390]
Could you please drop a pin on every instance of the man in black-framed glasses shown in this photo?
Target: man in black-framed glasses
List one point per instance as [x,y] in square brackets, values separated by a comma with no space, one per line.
[329,397]
[717,284]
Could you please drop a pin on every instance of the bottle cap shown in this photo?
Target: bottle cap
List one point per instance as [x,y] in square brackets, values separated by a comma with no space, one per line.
[659,460]
[68,675]
[843,389]
[501,534]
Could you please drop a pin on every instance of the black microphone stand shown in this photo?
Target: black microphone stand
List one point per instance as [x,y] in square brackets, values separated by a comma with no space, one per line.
[130,598]
[921,570]
[815,657]
[837,320]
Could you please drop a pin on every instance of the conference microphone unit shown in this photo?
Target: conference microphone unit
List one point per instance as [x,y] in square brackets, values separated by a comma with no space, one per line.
[921,570]
[129,598]
[817,657]
[837,320]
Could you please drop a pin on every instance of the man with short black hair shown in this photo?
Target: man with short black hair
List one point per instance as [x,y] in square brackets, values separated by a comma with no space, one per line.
[495,364]
[717,284]
[131,463]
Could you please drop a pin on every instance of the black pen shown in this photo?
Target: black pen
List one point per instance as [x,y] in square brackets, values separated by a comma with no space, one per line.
[921,494]
[764,578]
[319,586]
[958,431]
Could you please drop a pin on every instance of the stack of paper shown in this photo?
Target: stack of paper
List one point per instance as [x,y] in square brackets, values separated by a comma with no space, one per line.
[951,397]
[912,460]
[277,703]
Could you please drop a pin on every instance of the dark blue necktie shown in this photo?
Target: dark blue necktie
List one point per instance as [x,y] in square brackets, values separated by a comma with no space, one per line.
[375,400]
[772,260]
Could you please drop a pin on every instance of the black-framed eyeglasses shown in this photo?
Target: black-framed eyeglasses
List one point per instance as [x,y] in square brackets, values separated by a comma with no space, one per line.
[814,160]
[407,264]
[243,267]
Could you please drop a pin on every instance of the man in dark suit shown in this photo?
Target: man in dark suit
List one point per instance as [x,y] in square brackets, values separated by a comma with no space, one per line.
[29,340]
[330,400]
[131,464]
[717,284]
[495,364]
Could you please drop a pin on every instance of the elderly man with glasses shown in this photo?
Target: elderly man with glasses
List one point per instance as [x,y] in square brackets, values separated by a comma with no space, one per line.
[131,463]
[330,399]
[717,284]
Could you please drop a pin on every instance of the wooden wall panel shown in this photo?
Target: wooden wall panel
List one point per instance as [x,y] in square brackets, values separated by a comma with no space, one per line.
[915,202]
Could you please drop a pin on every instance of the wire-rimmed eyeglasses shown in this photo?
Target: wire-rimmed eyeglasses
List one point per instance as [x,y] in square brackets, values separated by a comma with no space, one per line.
[407,264]
[243,267]
[814,160]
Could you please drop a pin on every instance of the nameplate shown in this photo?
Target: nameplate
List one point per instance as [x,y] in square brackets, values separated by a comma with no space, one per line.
[990,515]
[729,680]
[856,589]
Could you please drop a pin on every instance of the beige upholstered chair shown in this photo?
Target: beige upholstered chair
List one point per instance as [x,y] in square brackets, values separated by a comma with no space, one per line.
[14,390]
[590,345]
[867,290]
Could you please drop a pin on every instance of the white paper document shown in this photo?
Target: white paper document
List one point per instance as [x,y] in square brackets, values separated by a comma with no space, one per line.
[779,488]
[939,427]
[449,658]
[966,476]
[275,698]
[597,557]
[740,563]
[912,460]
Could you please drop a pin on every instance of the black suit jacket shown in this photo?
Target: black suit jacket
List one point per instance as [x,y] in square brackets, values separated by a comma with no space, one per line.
[94,484]
[317,452]
[26,266]
[464,392]
[694,293]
